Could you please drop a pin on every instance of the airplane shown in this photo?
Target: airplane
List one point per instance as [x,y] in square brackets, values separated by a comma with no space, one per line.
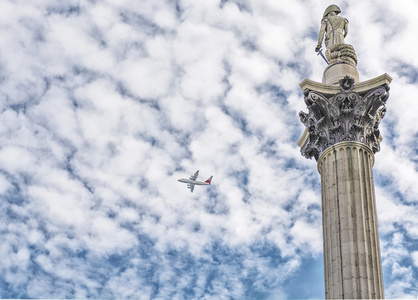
[192,181]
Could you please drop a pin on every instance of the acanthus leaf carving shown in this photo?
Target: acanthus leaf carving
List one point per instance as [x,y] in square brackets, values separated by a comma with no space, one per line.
[346,116]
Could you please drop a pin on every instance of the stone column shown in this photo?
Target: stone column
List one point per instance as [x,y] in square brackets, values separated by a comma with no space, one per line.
[342,134]
[351,241]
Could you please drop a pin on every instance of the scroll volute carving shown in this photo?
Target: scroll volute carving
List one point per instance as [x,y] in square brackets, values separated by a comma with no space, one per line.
[346,116]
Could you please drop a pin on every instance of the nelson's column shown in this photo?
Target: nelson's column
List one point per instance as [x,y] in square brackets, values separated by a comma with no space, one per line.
[342,135]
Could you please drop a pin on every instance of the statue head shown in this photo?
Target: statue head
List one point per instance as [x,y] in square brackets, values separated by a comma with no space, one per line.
[332,8]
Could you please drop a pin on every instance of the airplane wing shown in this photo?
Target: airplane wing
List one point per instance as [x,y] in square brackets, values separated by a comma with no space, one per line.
[191,187]
[194,177]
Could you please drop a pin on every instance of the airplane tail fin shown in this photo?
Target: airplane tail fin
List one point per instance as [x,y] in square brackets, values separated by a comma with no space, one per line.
[209,179]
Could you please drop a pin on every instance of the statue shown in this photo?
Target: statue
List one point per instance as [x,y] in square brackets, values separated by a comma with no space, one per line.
[335,29]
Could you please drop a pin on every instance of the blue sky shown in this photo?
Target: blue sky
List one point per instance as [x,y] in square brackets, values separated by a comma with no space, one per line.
[105,104]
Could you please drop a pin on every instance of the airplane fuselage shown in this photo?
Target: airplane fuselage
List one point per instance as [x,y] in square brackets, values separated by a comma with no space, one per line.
[196,182]
[191,182]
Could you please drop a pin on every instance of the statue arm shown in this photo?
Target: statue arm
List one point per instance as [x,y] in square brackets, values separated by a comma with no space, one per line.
[321,35]
[345,27]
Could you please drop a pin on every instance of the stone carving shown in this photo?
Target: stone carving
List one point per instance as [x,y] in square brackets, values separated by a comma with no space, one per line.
[335,29]
[347,116]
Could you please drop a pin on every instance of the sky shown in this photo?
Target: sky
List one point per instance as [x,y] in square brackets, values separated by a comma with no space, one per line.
[105,104]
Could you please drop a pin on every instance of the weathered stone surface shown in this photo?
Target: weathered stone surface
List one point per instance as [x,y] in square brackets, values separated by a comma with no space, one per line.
[337,71]
[344,116]
[352,259]
[341,52]
[342,134]
[335,28]
[329,90]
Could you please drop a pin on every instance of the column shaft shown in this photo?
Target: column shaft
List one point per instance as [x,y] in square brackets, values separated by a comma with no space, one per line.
[351,242]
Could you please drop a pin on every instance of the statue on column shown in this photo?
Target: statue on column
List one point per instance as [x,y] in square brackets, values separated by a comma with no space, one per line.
[335,29]
[342,108]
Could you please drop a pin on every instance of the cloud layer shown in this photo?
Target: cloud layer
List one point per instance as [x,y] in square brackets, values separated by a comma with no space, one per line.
[105,104]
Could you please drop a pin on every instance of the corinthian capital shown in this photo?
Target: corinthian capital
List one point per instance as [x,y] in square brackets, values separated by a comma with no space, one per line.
[344,116]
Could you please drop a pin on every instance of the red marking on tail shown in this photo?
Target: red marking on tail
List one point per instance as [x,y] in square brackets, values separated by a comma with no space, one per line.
[209,179]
